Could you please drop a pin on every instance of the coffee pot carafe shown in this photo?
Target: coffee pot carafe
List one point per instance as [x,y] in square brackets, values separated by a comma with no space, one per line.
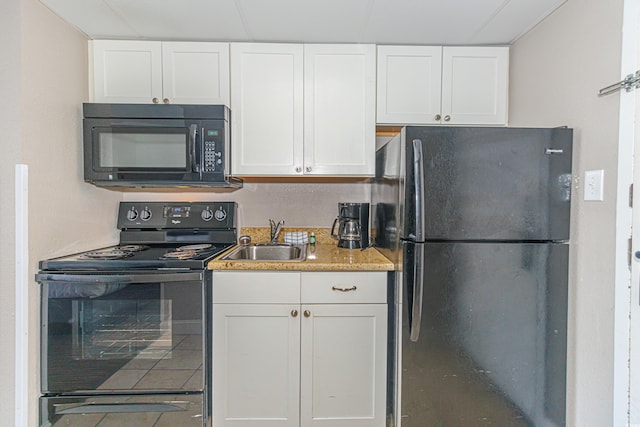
[352,225]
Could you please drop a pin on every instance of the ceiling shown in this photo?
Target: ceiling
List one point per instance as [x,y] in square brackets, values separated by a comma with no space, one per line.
[422,22]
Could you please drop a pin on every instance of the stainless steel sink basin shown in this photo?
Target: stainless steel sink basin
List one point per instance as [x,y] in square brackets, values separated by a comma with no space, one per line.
[267,252]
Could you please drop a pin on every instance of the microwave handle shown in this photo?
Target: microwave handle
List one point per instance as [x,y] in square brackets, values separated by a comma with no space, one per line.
[193,134]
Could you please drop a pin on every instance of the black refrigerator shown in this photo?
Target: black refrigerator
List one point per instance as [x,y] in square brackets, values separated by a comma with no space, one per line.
[477,221]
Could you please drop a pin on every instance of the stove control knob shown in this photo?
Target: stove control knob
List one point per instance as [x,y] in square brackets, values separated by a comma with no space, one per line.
[145,215]
[220,214]
[132,214]
[207,214]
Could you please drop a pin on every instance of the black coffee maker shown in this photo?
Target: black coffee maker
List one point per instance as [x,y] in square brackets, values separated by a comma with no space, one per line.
[352,225]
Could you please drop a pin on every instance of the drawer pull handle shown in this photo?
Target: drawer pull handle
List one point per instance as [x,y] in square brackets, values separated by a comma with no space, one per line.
[335,288]
[307,313]
[294,313]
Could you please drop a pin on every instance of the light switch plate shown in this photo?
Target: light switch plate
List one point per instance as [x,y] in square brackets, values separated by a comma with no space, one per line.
[593,185]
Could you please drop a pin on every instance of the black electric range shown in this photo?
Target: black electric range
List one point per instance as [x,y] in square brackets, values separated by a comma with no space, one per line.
[160,235]
[127,328]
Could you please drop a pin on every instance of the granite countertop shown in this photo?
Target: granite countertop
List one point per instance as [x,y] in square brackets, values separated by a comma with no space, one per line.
[326,257]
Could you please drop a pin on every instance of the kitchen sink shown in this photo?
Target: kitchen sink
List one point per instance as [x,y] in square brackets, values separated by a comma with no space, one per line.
[267,252]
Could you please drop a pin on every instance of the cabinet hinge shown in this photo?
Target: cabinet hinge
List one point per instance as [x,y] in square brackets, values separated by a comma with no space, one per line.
[630,252]
[631,195]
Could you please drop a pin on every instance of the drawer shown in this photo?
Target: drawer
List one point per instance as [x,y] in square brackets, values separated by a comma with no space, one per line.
[256,287]
[344,288]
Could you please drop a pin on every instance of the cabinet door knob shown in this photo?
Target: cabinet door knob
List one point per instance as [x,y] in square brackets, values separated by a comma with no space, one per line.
[165,101]
[298,169]
[447,118]
[155,100]
[308,168]
[294,313]
[307,313]
[438,117]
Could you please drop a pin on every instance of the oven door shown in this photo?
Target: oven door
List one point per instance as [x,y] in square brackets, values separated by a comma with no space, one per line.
[124,333]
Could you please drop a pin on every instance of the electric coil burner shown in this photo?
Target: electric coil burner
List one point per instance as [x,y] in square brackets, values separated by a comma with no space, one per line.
[126,329]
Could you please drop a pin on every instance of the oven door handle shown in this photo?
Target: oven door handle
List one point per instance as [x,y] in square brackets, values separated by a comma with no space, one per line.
[119,408]
[119,278]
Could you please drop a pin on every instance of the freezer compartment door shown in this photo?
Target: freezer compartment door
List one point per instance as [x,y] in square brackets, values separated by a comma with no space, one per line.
[490,183]
[492,344]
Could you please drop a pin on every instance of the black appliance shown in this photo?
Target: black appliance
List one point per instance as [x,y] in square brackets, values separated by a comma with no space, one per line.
[126,329]
[351,226]
[147,145]
[477,220]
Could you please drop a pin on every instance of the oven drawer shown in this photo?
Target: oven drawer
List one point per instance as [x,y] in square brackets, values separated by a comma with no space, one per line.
[185,410]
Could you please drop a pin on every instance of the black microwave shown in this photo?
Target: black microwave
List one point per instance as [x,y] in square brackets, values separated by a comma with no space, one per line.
[147,145]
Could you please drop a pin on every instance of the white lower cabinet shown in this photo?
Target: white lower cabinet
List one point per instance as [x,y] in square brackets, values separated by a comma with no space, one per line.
[310,353]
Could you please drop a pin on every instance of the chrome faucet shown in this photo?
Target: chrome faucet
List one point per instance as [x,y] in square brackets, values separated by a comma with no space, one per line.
[275,229]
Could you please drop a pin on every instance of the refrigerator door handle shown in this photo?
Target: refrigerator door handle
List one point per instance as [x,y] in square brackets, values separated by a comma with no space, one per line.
[418,290]
[418,177]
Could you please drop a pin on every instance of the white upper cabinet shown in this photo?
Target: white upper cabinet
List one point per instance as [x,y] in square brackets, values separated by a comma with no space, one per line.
[266,108]
[409,84]
[303,109]
[159,72]
[442,85]
[475,84]
[339,109]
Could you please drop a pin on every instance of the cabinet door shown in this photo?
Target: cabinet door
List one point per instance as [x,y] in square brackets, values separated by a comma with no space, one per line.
[343,368]
[266,106]
[409,84]
[339,109]
[195,73]
[126,71]
[475,82]
[256,365]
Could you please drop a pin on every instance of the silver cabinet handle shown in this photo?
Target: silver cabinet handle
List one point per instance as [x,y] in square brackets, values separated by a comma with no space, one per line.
[307,313]
[155,100]
[335,288]
[165,101]
[553,151]
[294,313]
[438,117]
[308,169]
[298,169]
[447,118]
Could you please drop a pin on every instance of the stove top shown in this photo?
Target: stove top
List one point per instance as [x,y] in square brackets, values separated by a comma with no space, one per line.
[191,257]
[159,235]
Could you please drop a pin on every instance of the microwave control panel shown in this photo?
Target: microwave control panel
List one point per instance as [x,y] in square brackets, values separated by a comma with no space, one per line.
[212,152]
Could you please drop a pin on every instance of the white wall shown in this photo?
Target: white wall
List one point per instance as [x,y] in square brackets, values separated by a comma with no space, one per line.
[556,71]
[10,133]
[299,204]
[43,80]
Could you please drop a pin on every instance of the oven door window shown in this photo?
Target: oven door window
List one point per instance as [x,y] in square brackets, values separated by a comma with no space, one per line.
[139,148]
[123,337]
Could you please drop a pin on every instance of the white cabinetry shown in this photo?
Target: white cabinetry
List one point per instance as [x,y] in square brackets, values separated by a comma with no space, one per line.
[159,72]
[442,85]
[266,103]
[303,109]
[309,352]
